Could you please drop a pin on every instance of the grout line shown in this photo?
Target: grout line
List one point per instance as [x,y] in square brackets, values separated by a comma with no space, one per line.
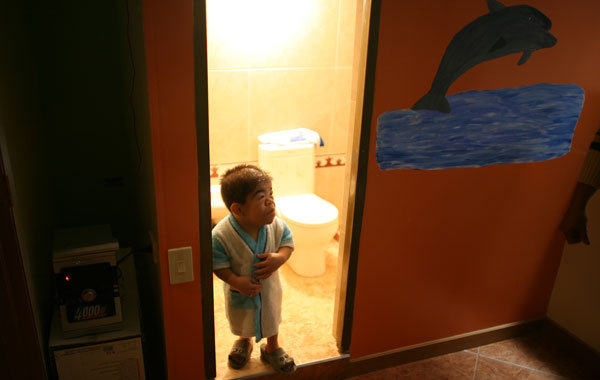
[335,71]
[476,363]
[337,33]
[295,68]
[525,367]
[249,145]
[233,163]
[248,112]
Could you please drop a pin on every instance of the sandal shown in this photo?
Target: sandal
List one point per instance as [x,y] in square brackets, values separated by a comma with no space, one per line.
[278,359]
[240,353]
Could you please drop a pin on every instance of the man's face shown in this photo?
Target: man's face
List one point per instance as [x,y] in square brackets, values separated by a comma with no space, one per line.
[259,208]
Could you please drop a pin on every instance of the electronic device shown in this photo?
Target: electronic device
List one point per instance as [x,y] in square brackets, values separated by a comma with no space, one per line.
[87,282]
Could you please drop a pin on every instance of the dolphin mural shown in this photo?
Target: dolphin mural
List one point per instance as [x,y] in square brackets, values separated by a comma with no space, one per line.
[505,30]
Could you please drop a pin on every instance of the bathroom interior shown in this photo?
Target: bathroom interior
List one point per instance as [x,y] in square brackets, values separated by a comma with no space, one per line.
[278,66]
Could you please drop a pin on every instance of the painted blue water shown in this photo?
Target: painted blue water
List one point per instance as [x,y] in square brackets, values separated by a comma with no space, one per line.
[506,126]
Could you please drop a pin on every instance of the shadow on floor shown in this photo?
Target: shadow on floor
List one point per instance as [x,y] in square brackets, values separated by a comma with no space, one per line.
[546,353]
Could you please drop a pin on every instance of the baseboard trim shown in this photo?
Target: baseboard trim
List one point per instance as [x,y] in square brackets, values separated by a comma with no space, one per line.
[442,346]
[585,350]
[344,367]
[463,341]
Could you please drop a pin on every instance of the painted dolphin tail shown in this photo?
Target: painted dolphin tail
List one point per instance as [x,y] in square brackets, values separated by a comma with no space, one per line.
[432,102]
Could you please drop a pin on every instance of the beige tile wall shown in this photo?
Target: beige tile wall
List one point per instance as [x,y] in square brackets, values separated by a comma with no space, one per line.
[276,65]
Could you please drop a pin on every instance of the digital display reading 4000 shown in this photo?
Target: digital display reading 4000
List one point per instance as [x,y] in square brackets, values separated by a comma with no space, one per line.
[88,291]
[83,313]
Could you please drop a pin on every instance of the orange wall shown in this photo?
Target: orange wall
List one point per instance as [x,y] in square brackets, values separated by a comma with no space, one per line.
[168,29]
[445,252]
[442,252]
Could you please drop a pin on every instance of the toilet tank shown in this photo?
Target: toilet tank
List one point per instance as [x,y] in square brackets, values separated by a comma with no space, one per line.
[291,166]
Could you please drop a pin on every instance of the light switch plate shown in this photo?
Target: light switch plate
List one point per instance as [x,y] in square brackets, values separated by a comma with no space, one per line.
[181,266]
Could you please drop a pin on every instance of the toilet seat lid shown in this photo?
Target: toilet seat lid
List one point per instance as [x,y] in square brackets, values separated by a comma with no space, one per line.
[307,209]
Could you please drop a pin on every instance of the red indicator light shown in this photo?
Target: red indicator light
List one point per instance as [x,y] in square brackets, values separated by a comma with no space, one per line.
[67,278]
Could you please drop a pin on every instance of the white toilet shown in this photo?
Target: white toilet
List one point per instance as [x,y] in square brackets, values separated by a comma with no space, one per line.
[313,220]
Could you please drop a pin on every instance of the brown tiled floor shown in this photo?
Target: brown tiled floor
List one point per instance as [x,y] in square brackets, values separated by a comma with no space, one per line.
[544,354]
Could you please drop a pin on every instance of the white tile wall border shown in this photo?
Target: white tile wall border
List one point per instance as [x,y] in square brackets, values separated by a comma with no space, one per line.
[322,161]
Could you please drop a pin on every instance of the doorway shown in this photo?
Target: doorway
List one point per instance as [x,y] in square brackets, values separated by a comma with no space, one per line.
[273,66]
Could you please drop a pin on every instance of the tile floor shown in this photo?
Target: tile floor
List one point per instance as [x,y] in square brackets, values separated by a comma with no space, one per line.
[306,330]
[544,354]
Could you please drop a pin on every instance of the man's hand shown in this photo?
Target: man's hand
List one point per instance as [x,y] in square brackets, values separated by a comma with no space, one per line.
[271,261]
[574,226]
[247,285]
[574,223]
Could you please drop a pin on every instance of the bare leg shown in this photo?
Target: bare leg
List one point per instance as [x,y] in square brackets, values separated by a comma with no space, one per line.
[272,343]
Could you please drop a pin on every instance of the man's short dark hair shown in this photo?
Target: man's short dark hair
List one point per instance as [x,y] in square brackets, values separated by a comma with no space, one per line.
[240,181]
